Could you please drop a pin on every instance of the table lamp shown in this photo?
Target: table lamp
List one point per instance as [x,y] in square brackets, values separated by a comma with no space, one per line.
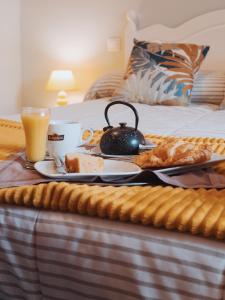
[61,81]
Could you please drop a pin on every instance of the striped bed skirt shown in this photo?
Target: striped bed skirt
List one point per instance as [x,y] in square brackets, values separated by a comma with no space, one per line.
[54,255]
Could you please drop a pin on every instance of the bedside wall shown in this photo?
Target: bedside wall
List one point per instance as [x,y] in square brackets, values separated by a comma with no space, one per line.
[10,60]
[61,34]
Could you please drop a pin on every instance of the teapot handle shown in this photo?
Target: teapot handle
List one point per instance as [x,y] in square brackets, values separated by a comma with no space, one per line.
[124,103]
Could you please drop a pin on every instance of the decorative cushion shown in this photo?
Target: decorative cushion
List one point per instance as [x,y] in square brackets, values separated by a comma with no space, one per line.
[209,87]
[222,105]
[161,73]
[104,86]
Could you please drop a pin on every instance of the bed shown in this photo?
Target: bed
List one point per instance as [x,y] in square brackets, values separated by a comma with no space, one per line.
[54,255]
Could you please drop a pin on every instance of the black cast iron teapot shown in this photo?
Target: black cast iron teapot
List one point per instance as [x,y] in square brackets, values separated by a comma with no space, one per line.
[121,140]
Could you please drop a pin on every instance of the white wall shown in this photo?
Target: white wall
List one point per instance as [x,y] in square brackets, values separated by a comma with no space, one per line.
[10,72]
[61,34]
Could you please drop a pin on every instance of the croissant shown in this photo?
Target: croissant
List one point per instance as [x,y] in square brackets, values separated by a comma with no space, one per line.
[174,154]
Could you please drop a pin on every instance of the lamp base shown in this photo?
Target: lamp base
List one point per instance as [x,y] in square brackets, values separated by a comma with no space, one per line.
[62,99]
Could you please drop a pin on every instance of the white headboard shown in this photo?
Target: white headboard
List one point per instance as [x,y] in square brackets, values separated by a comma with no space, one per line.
[207,29]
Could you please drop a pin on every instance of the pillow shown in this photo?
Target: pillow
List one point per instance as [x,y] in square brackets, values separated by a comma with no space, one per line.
[161,73]
[222,105]
[209,87]
[105,86]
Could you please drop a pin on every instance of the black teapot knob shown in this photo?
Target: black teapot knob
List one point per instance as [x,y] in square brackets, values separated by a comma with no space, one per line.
[121,140]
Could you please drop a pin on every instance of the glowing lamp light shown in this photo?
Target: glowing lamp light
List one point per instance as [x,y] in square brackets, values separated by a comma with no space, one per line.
[61,81]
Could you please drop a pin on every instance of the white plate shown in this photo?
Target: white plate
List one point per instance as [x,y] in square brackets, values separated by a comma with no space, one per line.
[112,168]
[216,158]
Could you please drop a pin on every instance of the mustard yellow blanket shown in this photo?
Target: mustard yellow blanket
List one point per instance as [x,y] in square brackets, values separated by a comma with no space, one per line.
[196,211]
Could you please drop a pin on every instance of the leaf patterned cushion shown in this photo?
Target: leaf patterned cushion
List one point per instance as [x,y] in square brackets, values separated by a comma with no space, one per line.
[161,73]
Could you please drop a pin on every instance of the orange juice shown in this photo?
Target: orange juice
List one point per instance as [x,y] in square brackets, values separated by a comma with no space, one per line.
[35,123]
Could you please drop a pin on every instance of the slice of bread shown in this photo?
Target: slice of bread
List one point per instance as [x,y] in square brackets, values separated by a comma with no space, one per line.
[83,163]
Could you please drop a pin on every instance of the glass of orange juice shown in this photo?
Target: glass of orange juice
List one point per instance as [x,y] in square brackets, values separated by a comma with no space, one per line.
[35,123]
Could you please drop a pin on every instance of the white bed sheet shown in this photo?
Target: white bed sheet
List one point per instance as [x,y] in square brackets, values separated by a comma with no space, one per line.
[196,120]
[153,119]
[52,255]
[164,120]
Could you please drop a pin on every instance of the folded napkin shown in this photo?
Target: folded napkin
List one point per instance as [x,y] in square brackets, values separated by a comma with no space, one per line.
[207,178]
[12,173]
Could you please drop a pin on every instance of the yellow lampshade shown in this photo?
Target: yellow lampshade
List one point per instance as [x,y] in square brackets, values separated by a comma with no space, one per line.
[61,80]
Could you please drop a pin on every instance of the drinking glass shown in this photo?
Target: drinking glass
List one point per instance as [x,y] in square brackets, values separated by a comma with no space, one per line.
[35,123]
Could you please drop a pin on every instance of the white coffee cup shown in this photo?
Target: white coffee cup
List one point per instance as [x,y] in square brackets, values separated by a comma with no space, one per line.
[65,136]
